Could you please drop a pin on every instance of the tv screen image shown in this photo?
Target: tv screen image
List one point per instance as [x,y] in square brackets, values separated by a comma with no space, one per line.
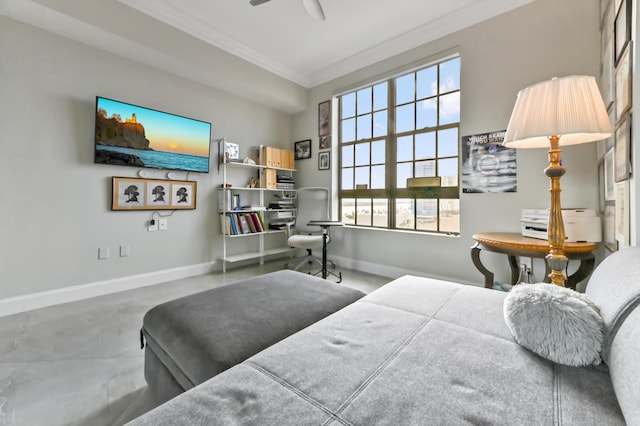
[131,135]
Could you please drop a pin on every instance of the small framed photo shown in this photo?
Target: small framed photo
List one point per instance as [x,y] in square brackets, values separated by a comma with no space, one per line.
[609,180]
[324,161]
[623,84]
[324,142]
[609,227]
[324,118]
[302,149]
[183,195]
[622,159]
[622,213]
[622,28]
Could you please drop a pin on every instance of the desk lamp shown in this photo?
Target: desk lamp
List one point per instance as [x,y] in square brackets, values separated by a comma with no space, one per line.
[554,113]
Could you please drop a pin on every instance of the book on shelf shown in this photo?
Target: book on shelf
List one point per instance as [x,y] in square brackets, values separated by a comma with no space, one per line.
[244,226]
[234,224]
[256,222]
[252,226]
[226,224]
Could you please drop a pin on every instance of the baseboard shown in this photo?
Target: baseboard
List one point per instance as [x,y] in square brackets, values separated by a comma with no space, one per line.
[27,302]
[386,270]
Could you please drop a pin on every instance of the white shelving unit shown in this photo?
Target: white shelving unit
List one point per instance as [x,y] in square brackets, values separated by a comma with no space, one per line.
[238,175]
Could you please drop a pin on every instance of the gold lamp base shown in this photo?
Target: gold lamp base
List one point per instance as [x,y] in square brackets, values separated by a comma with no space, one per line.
[556,259]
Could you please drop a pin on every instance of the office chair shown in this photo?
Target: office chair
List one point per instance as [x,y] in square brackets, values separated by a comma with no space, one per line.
[312,204]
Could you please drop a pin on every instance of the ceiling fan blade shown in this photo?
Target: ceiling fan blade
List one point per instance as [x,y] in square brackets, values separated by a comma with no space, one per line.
[257,2]
[314,8]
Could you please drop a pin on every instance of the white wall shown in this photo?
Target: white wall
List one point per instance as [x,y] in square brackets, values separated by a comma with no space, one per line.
[55,209]
[499,57]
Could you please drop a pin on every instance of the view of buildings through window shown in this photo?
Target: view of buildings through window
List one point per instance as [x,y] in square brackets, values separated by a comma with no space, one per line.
[396,130]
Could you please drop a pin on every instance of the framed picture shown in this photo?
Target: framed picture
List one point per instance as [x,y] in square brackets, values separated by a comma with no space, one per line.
[601,187]
[622,28]
[324,161]
[609,180]
[609,226]
[623,84]
[324,142]
[606,72]
[302,149]
[324,118]
[622,159]
[152,194]
[622,213]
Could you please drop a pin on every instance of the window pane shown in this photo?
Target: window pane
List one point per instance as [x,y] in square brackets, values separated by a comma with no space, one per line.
[377,152]
[427,85]
[405,118]
[427,215]
[450,215]
[363,212]
[405,148]
[448,143]
[425,168]
[364,100]
[362,176]
[377,177]
[427,114]
[349,130]
[448,170]
[450,108]
[348,211]
[405,171]
[425,145]
[405,89]
[450,76]
[405,214]
[348,105]
[380,212]
[364,127]
[347,156]
[380,96]
[362,154]
[347,178]
[380,123]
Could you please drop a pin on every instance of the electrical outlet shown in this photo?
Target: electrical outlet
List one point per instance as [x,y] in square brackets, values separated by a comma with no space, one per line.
[103,253]
[526,261]
[124,250]
[162,224]
[152,225]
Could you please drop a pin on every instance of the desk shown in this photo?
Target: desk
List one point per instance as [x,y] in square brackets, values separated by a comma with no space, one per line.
[325,225]
[513,245]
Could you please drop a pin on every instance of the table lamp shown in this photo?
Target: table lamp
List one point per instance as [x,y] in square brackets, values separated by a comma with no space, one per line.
[551,114]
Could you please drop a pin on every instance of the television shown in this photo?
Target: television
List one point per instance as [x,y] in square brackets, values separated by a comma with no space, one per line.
[131,135]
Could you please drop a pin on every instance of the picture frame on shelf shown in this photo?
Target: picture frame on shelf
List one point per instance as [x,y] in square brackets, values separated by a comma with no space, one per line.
[302,149]
[152,194]
[324,118]
[623,76]
[609,176]
[324,161]
[622,158]
[622,28]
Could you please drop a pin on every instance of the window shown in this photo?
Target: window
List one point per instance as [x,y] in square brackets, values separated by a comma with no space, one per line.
[405,127]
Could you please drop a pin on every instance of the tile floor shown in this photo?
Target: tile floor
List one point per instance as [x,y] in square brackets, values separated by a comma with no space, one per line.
[81,364]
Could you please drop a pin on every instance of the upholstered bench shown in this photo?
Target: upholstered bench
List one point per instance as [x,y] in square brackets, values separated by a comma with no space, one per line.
[193,338]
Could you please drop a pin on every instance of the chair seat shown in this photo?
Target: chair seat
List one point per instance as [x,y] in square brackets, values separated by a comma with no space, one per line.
[305,241]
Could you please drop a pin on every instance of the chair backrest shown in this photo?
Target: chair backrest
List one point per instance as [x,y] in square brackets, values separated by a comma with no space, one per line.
[312,204]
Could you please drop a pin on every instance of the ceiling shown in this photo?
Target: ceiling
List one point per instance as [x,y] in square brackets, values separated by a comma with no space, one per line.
[281,37]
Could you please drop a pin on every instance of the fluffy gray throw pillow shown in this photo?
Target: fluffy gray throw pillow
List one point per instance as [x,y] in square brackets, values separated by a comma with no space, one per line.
[557,323]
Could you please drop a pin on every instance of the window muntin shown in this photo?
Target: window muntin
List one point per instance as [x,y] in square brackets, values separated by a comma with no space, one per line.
[405,127]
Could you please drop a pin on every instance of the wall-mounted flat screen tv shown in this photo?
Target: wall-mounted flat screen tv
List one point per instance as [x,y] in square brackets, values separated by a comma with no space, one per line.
[130,135]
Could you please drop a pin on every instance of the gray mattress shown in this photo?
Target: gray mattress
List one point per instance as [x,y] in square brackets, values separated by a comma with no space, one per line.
[417,351]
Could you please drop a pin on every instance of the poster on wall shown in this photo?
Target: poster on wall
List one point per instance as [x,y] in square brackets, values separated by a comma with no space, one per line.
[487,166]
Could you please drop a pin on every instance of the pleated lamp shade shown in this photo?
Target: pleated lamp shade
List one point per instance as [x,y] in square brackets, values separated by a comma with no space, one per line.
[569,107]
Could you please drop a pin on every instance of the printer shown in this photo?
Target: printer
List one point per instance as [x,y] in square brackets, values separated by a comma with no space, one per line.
[579,224]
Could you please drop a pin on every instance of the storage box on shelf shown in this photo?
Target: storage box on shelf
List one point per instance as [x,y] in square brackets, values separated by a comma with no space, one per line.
[253,211]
